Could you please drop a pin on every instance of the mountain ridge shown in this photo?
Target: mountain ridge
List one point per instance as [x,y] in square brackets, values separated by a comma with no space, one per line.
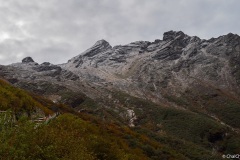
[168,48]
[177,56]
[181,86]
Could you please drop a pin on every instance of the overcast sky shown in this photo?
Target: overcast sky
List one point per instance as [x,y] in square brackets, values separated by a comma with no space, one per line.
[57,30]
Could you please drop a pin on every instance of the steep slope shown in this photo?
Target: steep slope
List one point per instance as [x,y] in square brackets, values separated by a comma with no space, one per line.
[80,136]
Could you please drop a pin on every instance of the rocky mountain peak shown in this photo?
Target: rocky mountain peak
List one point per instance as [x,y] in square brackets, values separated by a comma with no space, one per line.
[231,38]
[102,42]
[27,60]
[171,35]
[99,47]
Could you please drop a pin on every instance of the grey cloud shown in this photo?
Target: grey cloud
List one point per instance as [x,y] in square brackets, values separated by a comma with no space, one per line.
[56,30]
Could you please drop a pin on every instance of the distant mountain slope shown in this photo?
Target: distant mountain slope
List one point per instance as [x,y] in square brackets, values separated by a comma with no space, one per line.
[144,69]
[172,64]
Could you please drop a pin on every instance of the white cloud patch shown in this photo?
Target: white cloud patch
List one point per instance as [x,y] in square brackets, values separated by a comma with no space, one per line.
[4,36]
[57,30]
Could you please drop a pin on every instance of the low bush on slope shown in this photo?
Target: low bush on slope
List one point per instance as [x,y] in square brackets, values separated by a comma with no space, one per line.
[19,101]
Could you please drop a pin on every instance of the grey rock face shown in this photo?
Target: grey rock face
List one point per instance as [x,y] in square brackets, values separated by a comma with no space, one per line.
[171,35]
[172,64]
[99,47]
[42,68]
[29,72]
[46,63]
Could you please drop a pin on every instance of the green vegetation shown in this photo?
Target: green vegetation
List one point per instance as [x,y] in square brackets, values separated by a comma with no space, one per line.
[225,109]
[71,137]
[191,127]
[215,102]
[177,100]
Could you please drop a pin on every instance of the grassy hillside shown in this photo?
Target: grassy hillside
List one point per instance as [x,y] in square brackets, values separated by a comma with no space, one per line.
[160,132]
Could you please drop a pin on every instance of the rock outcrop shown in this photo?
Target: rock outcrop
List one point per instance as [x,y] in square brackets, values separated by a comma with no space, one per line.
[27,60]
